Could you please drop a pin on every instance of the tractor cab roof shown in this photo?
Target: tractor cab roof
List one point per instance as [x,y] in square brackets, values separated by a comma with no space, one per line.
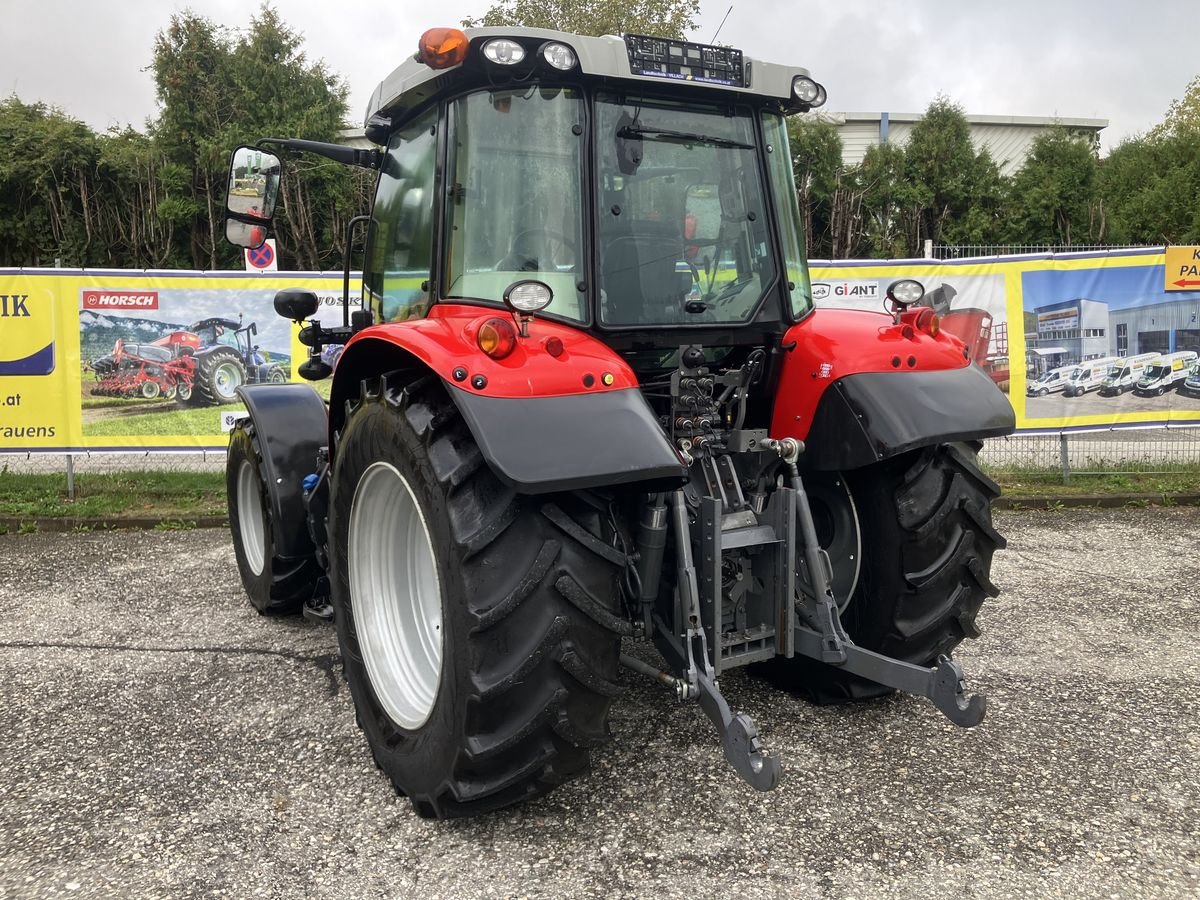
[484,57]
[216,320]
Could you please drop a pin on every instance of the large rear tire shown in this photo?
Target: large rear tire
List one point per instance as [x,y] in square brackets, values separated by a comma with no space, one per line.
[477,627]
[219,373]
[274,585]
[927,545]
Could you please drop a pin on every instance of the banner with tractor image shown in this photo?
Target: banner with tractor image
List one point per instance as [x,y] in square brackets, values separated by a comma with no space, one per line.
[123,360]
[137,360]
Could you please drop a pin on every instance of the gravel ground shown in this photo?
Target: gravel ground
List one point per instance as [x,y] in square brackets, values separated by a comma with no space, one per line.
[161,739]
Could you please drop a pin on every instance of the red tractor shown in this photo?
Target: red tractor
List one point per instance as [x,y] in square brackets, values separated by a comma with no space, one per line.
[587,400]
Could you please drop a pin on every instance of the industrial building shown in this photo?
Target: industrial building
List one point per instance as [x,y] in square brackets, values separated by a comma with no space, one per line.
[1066,332]
[1071,331]
[1156,327]
[1007,139]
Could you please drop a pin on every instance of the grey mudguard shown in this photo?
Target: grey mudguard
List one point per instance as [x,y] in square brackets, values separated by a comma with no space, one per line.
[544,444]
[291,424]
[864,418]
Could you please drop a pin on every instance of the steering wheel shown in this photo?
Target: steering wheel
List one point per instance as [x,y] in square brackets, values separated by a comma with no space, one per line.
[518,260]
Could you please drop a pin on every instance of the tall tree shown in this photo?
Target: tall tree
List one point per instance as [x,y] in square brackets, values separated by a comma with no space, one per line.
[663,18]
[959,190]
[891,204]
[48,196]
[1053,198]
[828,193]
[1183,115]
[218,89]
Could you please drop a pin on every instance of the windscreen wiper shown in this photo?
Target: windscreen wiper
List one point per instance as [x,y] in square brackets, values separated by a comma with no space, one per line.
[680,137]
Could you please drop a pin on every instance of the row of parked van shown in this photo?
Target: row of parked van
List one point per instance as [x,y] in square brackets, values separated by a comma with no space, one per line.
[1147,374]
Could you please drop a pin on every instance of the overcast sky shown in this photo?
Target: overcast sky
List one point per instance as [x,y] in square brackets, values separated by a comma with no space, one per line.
[1071,58]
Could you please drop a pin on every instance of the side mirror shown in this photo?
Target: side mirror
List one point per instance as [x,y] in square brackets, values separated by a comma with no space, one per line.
[250,196]
[296,304]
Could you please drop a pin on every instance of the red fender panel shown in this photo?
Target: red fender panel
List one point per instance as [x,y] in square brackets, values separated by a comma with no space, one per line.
[833,343]
[446,342]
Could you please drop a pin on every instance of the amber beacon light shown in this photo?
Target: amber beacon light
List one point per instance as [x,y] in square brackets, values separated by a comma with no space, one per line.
[441,48]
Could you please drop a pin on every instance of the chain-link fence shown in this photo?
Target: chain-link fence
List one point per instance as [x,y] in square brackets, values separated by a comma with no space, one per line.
[967,251]
[1156,450]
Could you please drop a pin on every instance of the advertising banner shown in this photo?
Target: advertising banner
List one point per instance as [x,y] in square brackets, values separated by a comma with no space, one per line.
[113,360]
[1077,341]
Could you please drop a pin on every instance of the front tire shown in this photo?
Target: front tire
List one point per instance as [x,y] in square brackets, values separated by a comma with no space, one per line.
[477,627]
[273,584]
[927,540]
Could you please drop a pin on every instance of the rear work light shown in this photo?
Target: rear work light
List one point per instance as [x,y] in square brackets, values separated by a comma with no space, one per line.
[559,56]
[441,48]
[503,52]
[808,91]
[497,338]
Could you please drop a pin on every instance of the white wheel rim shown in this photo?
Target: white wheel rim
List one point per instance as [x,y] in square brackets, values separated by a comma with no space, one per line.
[228,379]
[251,523]
[396,595]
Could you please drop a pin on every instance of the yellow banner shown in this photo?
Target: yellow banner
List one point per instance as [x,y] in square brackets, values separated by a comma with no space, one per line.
[149,360]
[1080,341]
[134,360]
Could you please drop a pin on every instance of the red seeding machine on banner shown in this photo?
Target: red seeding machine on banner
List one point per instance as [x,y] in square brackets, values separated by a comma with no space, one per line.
[586,402]
[202,366]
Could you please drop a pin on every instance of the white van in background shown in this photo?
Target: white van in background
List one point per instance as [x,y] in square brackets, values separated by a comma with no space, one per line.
[1124,373]
[1088,374]
[1164,373]
[1049,382]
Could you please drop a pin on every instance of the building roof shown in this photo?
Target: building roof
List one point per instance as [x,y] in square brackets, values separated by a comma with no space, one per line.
[1006,138]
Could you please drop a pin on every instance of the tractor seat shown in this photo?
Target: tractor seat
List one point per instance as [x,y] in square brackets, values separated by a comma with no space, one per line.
[638,273]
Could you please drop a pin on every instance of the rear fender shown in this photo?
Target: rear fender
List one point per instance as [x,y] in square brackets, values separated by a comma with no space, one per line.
[857,388]
[290,422]
[542,422]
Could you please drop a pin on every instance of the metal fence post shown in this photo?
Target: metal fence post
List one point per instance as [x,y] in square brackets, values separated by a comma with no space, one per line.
[70,477]
[1064,458]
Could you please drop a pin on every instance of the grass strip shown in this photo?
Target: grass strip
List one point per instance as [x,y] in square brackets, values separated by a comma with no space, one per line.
[114,495]
[186,496]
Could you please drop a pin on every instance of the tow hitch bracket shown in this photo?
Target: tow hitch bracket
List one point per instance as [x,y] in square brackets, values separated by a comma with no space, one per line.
[739,739]
[827,640]
[942,684]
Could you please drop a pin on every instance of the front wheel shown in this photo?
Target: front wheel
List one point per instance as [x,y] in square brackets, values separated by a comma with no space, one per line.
[273,584]
[478,628]
[927,545]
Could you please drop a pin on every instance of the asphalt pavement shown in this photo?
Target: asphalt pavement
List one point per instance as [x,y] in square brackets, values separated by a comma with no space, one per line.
[160,739]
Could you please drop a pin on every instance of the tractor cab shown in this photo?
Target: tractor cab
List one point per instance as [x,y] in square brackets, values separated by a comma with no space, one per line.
[216,331]
[643,184]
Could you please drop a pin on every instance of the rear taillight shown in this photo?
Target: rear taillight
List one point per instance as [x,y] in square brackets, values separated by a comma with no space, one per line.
[929,322]
[497,338]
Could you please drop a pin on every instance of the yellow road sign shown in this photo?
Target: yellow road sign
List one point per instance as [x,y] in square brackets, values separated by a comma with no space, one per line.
[1182,270]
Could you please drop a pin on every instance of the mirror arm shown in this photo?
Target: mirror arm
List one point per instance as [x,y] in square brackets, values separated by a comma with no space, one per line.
[366,159]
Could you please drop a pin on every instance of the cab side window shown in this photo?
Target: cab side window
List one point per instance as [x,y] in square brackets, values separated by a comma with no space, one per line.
[400,239]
